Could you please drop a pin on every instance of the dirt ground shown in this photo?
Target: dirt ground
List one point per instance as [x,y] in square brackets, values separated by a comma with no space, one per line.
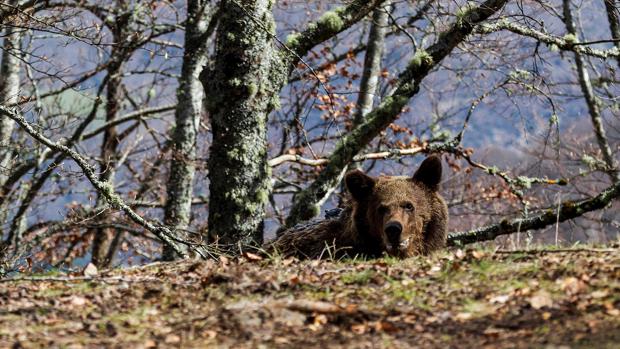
[478,298]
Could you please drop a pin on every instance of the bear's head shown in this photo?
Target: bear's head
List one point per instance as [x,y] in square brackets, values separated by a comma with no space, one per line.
[393,212]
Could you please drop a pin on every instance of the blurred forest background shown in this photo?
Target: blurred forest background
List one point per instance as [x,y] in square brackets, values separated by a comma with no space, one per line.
[221,121]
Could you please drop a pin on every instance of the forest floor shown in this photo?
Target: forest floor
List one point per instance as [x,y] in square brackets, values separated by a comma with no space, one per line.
[478,298]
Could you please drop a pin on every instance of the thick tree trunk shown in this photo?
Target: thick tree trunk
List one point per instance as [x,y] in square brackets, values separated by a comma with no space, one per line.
[187,117]
[241,89]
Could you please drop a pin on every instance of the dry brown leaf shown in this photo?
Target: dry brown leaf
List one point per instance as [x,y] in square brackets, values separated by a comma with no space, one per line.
[210,334]
[459,254]
[478,254]
[572,285]
[599,294]
[293,280]
[359,328]
[172,339]
[90,270]
[463,316]
[149,343]
[252,257]
[384,326]
[78,301]
[541,299]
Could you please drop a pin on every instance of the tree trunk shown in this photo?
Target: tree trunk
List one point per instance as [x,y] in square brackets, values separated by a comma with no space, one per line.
[592,101]
[612,7]
[244,81]
[372,62]
[370,73]
[187,117]
[103,237]
[9,91]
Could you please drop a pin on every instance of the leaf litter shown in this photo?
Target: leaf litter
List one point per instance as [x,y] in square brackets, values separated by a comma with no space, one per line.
[454,299]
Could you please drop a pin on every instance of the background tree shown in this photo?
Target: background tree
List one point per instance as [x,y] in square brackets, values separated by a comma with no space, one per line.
[519,98]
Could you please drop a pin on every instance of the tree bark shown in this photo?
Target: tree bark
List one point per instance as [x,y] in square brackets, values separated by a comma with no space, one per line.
[102,239]
[187,117]
[372,62]
[613,7]
[244,84]
[242,87]
[592,101]
[370,73]
[9,93]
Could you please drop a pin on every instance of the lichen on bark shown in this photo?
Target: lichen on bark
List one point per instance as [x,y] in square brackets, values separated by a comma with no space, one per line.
[244,77]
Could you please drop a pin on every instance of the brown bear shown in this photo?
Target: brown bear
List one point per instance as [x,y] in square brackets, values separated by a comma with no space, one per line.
[400,216]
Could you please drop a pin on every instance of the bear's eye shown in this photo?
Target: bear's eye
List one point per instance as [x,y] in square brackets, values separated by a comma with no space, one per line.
[382,210]
[408,206]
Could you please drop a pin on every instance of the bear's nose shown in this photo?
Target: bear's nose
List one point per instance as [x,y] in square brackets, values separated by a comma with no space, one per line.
[393,230]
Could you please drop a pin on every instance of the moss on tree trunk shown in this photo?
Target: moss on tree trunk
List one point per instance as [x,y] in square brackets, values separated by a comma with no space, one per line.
[241,85]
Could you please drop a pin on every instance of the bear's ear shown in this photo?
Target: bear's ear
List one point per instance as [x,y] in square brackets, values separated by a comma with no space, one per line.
[429,172]
[359,184]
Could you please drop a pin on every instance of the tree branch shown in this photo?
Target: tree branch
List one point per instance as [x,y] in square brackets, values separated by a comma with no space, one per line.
[566,43]
[568,210]
[103,188]
[306,203]
[330,24]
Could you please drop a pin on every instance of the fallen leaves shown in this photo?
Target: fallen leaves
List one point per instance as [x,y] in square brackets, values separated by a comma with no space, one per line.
[572,285]
[454,299]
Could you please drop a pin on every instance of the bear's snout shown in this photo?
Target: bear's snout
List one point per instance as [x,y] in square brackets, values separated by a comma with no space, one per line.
[393,230]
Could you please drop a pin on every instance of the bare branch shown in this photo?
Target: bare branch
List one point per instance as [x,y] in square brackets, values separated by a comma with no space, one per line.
[568,210]
[104,189]
[560,43]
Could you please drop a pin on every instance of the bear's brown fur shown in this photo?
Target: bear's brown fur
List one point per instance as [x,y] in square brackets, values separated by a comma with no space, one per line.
[400,216]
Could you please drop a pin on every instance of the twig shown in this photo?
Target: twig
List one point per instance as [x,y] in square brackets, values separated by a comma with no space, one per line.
[559,250]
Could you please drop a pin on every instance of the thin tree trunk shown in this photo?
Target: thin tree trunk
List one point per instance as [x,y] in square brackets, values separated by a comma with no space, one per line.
[591,100]
[372,62]
[103,237]
[9,91]
[242,86]
[370,73]
[613,7]
[187,117]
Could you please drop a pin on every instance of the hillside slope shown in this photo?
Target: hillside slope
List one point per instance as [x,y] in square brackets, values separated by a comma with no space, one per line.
[456,299]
